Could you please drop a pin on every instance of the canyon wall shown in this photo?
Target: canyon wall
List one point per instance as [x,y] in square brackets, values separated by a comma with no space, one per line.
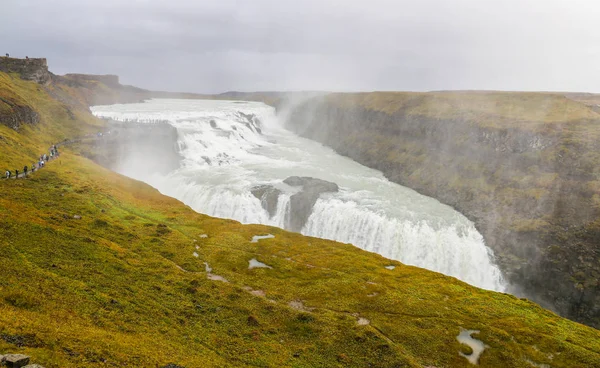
[523,166]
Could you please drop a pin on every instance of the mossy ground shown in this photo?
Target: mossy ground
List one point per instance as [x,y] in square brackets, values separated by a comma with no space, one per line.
[59,120]
[120,286]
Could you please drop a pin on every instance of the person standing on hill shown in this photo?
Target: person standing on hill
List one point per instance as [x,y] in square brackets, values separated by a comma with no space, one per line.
[16,173]
[33,167]
[7,173]
[24,170]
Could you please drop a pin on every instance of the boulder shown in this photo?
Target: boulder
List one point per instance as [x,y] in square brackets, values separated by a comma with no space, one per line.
[302,203]
[15,360]
[268,196]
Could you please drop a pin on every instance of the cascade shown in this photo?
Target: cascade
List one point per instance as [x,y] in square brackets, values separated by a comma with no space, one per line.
[231,148]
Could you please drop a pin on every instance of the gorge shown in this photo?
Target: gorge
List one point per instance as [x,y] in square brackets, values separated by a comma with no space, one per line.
[238,162]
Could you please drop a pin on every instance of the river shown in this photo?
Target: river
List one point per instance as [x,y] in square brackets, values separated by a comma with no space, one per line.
[230,147]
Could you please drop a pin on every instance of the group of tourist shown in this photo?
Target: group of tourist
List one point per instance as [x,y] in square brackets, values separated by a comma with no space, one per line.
[34,166]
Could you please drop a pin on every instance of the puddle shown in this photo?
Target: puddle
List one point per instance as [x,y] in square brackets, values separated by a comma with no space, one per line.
[195,254]
[253,263]
[214,277]
[390,267]
[298,305]
[464,337]
[363,322]
[258,293]
[256,238]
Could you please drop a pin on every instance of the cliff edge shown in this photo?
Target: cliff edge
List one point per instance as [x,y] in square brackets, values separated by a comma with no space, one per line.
[525,167]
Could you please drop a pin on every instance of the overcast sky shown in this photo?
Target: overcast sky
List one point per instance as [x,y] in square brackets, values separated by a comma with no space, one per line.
[248,45]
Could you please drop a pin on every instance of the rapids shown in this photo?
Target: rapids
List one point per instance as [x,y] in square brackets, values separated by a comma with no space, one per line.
[230,147]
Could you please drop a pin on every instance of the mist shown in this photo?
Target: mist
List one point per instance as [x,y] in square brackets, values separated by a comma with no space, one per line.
[216,46]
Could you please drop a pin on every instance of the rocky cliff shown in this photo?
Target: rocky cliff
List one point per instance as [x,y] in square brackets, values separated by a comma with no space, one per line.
[523,166]
[29,69]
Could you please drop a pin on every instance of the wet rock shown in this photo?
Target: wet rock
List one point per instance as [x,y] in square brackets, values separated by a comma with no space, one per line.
[253,123]
[15,360]
[301,203]
[268,196]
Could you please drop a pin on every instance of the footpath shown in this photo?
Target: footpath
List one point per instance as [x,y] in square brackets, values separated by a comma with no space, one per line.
[52,155]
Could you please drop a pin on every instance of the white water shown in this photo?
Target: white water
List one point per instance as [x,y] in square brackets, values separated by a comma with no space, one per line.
[222,163]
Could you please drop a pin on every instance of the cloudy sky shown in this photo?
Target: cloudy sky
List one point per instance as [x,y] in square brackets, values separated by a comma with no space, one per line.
[221,45]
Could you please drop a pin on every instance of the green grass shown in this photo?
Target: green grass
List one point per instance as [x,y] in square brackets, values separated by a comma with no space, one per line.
[493,109]
[120,286]
[110,286]
[58,120]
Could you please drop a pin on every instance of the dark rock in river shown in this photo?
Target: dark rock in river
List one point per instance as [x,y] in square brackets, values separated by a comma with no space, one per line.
[301,203]
[268,196]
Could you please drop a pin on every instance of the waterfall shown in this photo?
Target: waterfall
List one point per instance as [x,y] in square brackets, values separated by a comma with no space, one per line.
[229,148]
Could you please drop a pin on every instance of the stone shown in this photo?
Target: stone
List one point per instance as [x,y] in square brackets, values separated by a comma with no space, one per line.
[15,360]
[33,366]
[77,217]
[28,69]
[269,196]
[301,203]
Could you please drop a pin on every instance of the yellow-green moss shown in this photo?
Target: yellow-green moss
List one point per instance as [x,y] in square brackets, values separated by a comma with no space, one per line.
[120,285]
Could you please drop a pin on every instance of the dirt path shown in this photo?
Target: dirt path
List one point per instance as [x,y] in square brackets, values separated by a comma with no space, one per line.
[66,142]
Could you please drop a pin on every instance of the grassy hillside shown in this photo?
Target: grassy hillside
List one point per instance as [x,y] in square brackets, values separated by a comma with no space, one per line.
[483,108]
[61,112]
[101,270]
[525,167]
[121,286]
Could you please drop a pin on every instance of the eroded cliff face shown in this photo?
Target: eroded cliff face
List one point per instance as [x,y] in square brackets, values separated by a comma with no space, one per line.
[29,69]
[529,180]
[150,147]
[13,114]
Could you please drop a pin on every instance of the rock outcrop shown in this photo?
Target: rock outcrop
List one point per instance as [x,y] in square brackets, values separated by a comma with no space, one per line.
[524,167]
[268,196]
[15,360]
[14,115]
[302,203]
[29,69]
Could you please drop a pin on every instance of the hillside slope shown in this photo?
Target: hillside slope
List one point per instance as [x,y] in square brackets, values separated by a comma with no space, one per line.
[101,270]
[523,166]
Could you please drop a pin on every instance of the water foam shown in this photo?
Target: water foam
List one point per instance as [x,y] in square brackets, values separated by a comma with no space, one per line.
[225,157]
